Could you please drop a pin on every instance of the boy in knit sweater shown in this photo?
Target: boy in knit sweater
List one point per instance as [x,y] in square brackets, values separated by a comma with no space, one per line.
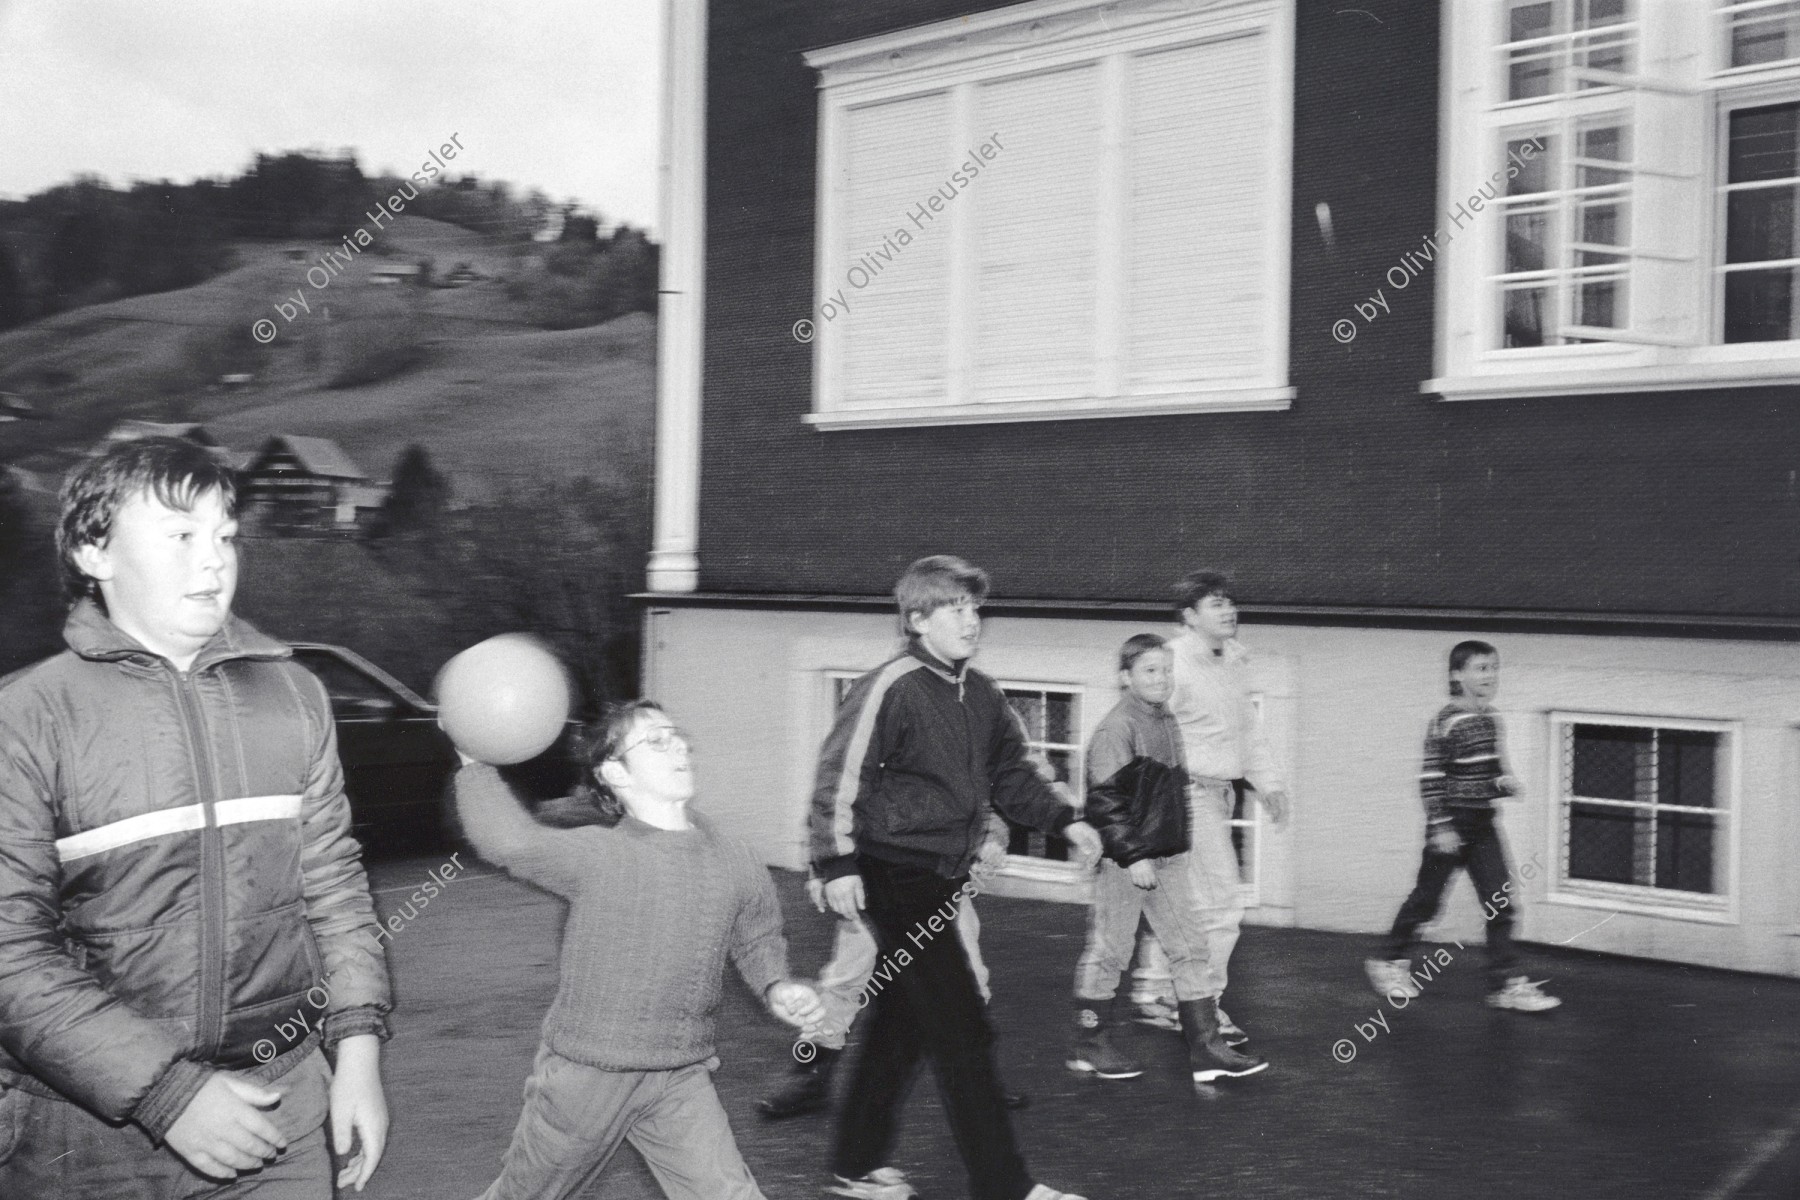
[1137,799]
[1464,773]
[657,898]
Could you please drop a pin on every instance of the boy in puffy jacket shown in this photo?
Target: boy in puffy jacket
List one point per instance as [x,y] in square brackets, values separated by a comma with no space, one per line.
[177,876]
[1137,799]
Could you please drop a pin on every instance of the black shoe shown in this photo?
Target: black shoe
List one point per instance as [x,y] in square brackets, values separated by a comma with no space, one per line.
[1208,1055]
[807,1091]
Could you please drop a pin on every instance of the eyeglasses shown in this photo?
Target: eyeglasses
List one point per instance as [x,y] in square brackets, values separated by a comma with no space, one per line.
[660,737]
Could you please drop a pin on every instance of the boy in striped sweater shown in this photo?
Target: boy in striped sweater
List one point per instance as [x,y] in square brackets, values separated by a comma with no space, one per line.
[1463,775]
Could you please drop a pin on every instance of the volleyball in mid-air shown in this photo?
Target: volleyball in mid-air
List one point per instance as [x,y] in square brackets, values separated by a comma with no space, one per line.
[504,700]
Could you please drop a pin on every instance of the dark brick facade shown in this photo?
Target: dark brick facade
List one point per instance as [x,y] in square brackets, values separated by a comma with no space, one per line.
[1365,493]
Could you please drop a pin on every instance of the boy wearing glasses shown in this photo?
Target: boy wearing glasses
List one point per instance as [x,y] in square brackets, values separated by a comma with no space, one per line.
[657,899]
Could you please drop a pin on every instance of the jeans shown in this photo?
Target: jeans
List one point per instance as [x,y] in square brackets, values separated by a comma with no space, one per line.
[1173,910]
[1213,866]
[927,1006]
[575,1116]
[1483,854]
[59,1151]
[852,965]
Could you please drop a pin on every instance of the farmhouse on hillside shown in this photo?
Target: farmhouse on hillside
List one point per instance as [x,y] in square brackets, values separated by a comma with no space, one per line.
[305,486]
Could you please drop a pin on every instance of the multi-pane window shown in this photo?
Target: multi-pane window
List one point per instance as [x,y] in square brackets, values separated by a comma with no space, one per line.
[1052,721]
[1645,809]
[1567,214]
[1621,182]
[1761,254]
[1759,32]
[1558,46]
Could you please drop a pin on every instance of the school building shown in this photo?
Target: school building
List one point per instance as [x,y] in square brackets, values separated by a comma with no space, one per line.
[1423,321]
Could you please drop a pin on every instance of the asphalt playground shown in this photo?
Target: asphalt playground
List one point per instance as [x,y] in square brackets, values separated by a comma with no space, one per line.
[1652,1080]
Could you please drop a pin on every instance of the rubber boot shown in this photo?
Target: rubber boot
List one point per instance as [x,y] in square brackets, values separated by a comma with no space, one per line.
[1208,1055]
[1093,1052]
[808,1089]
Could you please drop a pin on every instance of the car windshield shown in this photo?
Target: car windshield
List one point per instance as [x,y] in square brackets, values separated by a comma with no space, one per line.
[353,693]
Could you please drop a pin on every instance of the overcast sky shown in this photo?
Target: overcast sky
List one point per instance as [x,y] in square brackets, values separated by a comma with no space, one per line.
[559,95]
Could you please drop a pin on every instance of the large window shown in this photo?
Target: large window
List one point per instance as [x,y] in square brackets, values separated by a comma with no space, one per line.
[1054,211]
[1619,183]
[1646,811]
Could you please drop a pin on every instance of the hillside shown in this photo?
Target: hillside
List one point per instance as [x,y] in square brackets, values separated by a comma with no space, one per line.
[492,397]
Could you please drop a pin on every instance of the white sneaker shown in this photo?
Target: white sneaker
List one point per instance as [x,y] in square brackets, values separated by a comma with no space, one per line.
[1388,976]
[883,1183]
[1041,1192]
[1523,995]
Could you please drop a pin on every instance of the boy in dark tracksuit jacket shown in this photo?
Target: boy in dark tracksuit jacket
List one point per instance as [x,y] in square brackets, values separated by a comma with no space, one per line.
[1137,799]
[921,748]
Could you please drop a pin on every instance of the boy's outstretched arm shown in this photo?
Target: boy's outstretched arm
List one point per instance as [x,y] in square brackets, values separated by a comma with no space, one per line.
[497,825]
[758,947]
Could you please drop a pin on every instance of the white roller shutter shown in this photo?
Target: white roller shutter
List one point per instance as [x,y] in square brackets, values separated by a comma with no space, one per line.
[1200,207]
[1034,238]
[894,346]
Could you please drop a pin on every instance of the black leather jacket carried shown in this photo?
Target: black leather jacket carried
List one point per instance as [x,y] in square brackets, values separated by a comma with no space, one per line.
[1137,785]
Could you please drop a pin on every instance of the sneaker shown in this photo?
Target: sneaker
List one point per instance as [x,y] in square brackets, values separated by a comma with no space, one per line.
[1388,976]
[883,1183]
[1158,1012]
[1229,1031]
[1523,995]
[1045,1192]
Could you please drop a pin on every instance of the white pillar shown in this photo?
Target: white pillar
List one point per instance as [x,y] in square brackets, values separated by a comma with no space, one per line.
[674,564]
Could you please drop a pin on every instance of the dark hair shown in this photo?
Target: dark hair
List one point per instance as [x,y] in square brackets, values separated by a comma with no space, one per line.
[1462,652]
[173,471]
[1138,645]
[1196,586]
[935,581]
[601,742]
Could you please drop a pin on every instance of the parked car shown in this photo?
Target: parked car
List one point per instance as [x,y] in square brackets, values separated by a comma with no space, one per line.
[397,761]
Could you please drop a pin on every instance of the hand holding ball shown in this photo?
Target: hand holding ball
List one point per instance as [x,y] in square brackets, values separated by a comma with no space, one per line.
[503,700]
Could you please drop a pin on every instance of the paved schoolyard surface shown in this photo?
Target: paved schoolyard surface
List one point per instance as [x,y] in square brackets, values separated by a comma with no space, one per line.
[1651,1081]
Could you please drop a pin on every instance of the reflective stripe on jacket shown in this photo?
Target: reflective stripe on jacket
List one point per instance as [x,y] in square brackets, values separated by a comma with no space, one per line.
[176,869]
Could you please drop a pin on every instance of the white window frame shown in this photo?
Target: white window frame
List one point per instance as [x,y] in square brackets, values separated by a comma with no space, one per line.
[955,56]
[1721,907]
[1682,93]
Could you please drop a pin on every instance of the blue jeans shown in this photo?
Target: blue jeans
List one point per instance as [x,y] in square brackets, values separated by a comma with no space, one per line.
[54,1150]
[575,1116]
[1483,855]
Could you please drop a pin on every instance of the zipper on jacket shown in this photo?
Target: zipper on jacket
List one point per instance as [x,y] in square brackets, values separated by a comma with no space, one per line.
[209,1030]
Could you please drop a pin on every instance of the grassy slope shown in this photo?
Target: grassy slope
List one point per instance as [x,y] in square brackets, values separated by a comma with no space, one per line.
[495,403]
[493,399]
